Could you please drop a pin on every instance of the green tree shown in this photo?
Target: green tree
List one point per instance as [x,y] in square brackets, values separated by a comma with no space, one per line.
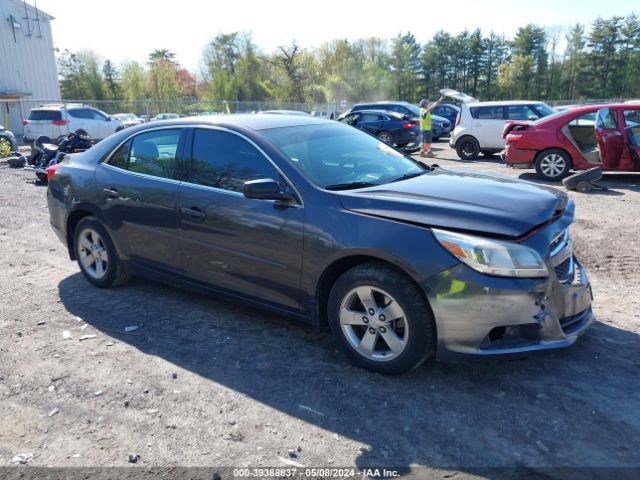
[134,82]
[112,79]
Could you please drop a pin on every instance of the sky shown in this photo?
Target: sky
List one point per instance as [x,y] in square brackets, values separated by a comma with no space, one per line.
[130,29]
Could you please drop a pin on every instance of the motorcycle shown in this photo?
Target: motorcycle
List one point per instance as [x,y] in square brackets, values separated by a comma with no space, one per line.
[46,152]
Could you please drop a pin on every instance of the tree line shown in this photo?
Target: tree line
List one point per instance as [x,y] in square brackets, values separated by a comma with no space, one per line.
[600,61]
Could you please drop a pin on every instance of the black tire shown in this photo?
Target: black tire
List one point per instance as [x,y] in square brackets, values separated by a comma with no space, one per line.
[386,137]
[553,164]
[115,273]
[468,148]
[421,328]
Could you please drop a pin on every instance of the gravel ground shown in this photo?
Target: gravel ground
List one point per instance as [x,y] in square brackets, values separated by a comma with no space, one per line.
[203,382]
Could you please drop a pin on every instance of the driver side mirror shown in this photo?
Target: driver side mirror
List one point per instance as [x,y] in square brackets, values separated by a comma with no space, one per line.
[533,117]
[266,189]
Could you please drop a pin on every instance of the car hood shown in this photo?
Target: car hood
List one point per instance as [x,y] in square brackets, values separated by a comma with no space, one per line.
[461,200]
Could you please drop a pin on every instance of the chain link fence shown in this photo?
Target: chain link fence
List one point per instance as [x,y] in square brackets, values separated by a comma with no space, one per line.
[14,111]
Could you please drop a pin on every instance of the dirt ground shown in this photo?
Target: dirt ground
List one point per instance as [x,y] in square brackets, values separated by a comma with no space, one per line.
[203,382]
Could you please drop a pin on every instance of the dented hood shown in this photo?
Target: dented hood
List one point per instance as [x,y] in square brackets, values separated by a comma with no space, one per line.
[461,200]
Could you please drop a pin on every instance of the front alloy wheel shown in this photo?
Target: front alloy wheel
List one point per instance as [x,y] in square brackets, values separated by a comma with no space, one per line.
[381,319]
[374,323]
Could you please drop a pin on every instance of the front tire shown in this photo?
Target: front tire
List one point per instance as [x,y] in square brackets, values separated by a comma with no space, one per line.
[553,165]
[467,148]
[381,319]
[97,256]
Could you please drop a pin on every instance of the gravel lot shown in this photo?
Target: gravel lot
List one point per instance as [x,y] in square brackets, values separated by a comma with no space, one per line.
[204,382]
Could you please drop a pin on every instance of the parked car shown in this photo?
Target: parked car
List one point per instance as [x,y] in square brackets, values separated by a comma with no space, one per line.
[319,221]
[165,116]
[128,119]
[145,118]
[605,136]
[390,127]
[285,112]
[7,136]
[448,111]
[54,121]
[479,125]
[440,125]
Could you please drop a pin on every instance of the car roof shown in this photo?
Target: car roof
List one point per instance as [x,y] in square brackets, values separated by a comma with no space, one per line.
[503,103]
[380,111]
[399,102]
[247,120]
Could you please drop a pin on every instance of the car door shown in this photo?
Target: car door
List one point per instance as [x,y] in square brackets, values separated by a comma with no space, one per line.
[371,123]
[249,246]
[102,124]
[80,118]
[137,190]
[487,124]
[610,137]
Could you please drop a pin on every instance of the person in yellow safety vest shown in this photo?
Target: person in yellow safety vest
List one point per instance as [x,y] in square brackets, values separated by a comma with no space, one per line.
[425,126]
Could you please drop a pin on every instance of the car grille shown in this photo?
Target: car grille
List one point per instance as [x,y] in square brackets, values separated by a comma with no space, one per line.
[565,270]
[572,323]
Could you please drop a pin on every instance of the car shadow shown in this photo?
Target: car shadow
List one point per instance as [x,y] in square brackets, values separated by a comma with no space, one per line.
[557,408]
[612,183]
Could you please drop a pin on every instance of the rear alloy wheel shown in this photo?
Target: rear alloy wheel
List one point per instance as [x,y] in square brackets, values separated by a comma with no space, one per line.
[553,165]
[467,148]
[96,255]
[381,319]
[386,137]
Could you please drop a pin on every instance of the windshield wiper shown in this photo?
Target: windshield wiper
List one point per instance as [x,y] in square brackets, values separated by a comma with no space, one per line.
[350,185]
[407,176]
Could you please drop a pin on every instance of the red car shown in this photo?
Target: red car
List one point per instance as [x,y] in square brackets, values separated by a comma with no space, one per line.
[605,136]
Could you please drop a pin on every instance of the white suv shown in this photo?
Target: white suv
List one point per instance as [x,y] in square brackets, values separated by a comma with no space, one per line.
[56,120]
[479,125]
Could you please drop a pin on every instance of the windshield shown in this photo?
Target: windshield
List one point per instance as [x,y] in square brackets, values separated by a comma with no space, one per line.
[554,114]
[337,156]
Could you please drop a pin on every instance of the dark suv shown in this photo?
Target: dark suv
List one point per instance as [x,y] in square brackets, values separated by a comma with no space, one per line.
[390,127]
[440,125]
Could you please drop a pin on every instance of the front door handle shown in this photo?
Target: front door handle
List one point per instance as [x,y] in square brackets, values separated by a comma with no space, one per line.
[194,213]
[110,193]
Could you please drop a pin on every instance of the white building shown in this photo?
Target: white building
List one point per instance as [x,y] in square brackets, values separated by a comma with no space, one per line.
[28,70]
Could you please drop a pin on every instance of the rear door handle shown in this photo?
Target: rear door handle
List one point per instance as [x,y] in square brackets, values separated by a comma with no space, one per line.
[110,193]
[194,213]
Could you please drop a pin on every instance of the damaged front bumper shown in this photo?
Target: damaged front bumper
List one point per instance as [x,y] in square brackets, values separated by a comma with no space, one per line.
[482,316]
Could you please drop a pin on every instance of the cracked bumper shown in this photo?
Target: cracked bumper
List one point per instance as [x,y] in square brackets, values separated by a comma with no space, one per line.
[483,316]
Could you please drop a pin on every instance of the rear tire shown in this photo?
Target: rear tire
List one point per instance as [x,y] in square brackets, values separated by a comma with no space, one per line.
[386,137]
[381,319]
[97,256]
[553,164]
[467,148]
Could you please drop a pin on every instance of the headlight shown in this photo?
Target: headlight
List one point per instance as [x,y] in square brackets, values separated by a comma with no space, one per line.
[494,257]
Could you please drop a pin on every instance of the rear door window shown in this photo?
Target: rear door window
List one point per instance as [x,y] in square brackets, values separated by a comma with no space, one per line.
[226,161]
[520,112]
[487,113]
[151,153]
[371,117]
[83,113]
[46,115]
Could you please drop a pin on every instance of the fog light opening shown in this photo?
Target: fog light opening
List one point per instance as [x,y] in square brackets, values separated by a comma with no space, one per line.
[497,333]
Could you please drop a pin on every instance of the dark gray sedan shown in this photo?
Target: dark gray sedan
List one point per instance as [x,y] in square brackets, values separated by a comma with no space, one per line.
[319,221]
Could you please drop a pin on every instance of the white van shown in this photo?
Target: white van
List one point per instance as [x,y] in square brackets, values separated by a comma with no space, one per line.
[479,125]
